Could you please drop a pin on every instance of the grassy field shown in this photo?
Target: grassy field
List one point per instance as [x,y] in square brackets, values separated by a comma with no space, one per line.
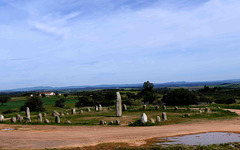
[131,115]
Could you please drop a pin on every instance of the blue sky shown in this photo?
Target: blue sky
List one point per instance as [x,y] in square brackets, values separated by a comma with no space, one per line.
[79,42]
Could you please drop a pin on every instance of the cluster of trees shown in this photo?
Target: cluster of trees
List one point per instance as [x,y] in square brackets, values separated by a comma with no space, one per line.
[92,98]
[4,99]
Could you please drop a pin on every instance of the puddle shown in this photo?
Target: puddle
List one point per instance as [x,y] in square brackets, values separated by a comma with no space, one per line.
[201,139]
[8,129]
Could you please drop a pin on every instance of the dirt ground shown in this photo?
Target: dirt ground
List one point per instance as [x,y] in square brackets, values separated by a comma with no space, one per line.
[43,136]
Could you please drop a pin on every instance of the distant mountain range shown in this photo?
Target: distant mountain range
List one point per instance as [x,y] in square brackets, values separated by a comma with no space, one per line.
[118,86]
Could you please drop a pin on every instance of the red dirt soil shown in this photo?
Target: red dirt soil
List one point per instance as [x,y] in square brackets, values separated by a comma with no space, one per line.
[45,136]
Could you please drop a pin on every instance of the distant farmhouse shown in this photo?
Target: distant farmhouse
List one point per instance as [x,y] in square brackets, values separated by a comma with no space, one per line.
[47,93]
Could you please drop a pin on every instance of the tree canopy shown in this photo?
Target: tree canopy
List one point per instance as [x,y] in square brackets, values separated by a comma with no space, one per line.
[180,97]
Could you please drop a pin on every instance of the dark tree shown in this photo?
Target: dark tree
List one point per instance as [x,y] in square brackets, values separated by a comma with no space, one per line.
[148,93]
[43,95]
[35,104]
[180,97]
[4,99]
[65,95]
[83,101]
[60,103]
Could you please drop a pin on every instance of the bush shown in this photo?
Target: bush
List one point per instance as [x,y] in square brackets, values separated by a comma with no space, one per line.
[180,97]
[60,103]
[34,103]
[9,111]
[226,100]
[139,123]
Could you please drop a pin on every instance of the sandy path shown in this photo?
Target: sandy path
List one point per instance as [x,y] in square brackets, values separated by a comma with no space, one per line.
[32,137]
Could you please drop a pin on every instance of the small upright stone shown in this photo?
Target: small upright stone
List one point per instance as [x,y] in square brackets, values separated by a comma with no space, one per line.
[164,116]
[46,121]
[39,117]
[175,108]
[88,109]
[57,119]
[1,118]
[73,111]
[96,108]
[158,119]
[18,117]
[117,122]
[102,122]
[207,110]
[81,111]
[143,118]
[13,119]
[152,121]
[144,107]
[199,111]
[164,107]
[68,122]
[44,114]
[118,105]
[111,123]
[55,113]
[218,107]
[62,114]
[100,107]
[124,107]
[157,107]
[109,108]
[67,114]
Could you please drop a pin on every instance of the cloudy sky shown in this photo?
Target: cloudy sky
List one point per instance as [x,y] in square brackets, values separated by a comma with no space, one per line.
[91,42]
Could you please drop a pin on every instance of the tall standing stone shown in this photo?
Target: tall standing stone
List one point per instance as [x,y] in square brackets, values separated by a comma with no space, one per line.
[143,118]
[28,117]
[164,116]
[73,111]
[1,118]
[100,107]
[39,117]
[57,119]
[124,107]
[96,108]
[118,105]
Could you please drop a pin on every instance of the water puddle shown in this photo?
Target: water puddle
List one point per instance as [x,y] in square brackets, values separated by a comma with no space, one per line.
[201,139]
[8,129]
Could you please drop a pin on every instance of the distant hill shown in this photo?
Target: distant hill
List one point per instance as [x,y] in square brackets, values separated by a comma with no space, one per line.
[118,86]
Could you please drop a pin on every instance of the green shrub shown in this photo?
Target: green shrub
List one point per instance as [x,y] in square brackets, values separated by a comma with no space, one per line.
[60,103]
[34,103]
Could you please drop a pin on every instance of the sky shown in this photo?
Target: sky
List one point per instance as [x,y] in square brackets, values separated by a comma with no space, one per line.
[91,42]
